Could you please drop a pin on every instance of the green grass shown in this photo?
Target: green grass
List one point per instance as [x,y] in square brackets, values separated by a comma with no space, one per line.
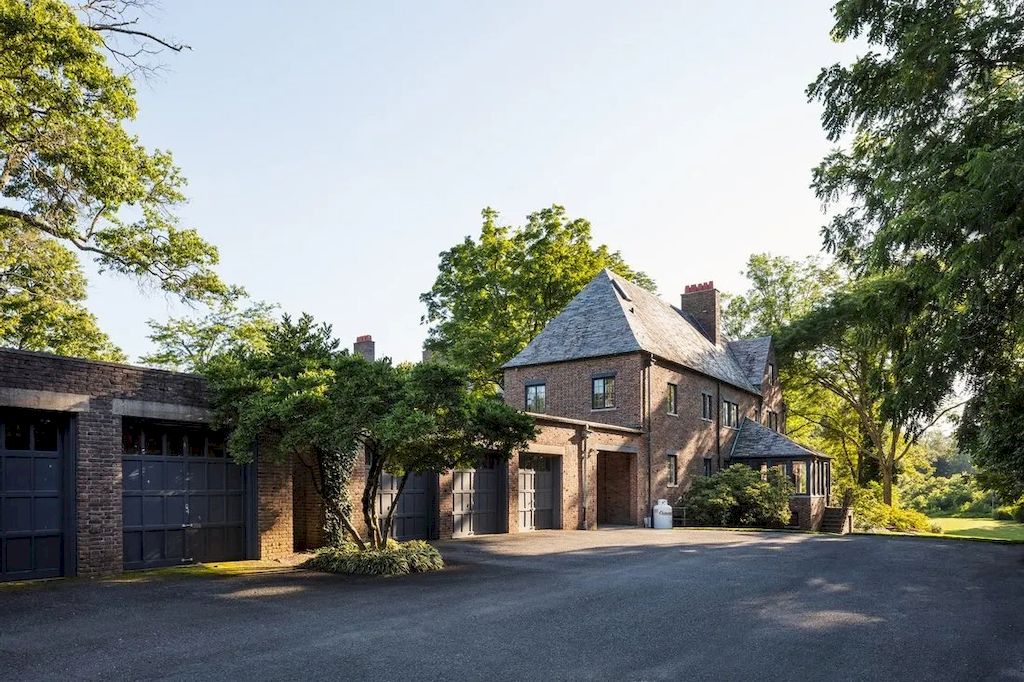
[980,528]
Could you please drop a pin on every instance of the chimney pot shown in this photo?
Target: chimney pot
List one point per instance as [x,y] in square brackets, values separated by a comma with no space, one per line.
[365,346]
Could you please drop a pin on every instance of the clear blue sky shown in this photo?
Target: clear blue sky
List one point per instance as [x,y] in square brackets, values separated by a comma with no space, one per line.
[333,149]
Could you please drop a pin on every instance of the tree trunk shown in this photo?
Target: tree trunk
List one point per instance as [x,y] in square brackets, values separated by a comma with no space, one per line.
[887,483]
[390,518]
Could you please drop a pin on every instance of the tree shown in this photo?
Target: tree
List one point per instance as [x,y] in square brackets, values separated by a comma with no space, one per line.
[492,295]
[188,343]
[416,419]
[929,185]
[848,350]
[69,168]
[42,296]
[300,398]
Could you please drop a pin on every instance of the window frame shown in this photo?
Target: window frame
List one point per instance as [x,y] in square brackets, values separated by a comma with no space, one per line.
[673,399]
[707,467]
[732,414]
[672,463]
[707,406]
[607,397]
[543,397]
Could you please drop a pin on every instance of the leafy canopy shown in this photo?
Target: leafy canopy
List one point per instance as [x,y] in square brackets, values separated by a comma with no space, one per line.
[300,397]
[927,190]
[69,168]
[42,299]
[495,293]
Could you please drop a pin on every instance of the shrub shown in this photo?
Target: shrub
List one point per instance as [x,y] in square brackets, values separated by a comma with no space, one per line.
[394,559]
[870,513]
[738,496]
[1018,515]
[935,528]
[1004,513]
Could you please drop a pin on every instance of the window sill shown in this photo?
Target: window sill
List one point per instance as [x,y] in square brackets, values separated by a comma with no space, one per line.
[705,419]
[672,414]
[603,409]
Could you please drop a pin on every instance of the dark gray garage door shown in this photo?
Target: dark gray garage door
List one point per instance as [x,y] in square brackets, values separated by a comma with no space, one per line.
[32,494]
[184,499]
[477,501]
[414,516]
[537,492]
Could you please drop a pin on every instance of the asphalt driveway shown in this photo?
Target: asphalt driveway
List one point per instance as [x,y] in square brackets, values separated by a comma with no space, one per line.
[616,604]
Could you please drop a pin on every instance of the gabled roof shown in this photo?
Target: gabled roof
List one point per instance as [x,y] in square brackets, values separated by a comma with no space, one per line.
[757,440]
[752,356]
[613,316]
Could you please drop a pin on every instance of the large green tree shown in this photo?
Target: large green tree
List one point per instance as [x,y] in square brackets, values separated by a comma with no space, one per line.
[928,189]
[42,299]
[70,170]
[303,399]
[187,343]
[496,292]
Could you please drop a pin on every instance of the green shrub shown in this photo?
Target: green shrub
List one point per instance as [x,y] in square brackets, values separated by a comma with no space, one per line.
[1004,513]
[394,559]
[1018,515]
[935,528]
[738,496]
[870,513]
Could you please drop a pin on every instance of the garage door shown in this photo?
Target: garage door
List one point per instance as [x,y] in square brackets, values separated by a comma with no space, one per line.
[537,486]
[476,501]
[184,499]
[32,493]
[414,516]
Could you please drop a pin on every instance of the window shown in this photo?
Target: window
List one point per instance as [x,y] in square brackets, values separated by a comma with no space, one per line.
[772,375]
[673,393]
[603,393]
[535,397]
[731,414]
[707,467]
[673,470]
[799,475]
[707,407]
[773,420]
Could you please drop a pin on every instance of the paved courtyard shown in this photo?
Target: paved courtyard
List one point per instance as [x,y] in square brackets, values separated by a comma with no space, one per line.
[614,604]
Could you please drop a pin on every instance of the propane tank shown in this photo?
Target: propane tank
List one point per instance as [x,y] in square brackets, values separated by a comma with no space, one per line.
[662,515]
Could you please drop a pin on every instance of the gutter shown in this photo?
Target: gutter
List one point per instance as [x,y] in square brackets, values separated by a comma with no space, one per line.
[597,426]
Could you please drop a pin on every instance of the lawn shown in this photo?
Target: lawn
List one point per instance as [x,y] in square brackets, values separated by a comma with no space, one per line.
[981,528]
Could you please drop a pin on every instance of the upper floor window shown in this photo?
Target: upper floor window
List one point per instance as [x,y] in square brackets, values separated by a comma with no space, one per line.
[602,393]
[773,375]
[731,414]
[535,397]
[673,470]
[773,420]
[670,398]
[707,407]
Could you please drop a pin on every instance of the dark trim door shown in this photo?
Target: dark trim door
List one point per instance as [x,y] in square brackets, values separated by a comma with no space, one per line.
[415,514]
[476,500]
[184,500]
[34,491]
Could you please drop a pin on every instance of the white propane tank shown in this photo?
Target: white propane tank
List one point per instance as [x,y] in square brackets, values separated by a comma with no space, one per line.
[662,515]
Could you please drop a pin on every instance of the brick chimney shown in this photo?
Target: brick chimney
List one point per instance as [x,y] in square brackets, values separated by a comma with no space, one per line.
[704,303]
[365,346]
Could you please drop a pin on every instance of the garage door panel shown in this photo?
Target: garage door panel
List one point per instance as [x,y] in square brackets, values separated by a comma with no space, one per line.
[413,518]
[17,514]
[475,501]
[46,513]
[17,473]
[187,513]
[47,474]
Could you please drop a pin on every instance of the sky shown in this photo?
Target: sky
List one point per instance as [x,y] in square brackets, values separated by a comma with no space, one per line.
[334,149]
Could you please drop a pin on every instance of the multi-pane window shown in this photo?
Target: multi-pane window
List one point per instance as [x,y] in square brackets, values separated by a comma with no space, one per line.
[707,407]
[535,397]
[143,437]
[799,473]
[772,375]
[707,467]
[731,414]
[670,398]
[773,420]
[602,393]
[673,470]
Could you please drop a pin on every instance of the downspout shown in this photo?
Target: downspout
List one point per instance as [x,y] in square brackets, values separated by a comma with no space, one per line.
[647,419]
[585,456]
[718,422]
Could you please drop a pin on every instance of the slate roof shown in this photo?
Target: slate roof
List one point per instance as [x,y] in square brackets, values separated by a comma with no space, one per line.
[612,316]
[757,440]
[752,356]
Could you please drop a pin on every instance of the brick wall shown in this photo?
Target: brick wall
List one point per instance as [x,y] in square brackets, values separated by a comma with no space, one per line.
[274,515]
[568,388]
[89,389]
